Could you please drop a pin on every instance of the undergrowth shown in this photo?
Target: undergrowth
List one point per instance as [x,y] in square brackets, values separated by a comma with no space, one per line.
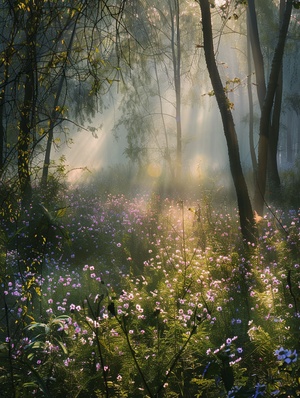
[147,296]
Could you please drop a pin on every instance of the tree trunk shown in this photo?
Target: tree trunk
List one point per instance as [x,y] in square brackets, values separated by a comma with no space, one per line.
[176,56]
[53,119]
[273,173]
[248,227]
[250,99]
[265,121]
[166,151]
[2,130]
[28,109]
[256,52]
[289,141]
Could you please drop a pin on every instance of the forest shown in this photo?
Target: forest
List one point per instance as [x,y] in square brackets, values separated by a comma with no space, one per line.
[149,198]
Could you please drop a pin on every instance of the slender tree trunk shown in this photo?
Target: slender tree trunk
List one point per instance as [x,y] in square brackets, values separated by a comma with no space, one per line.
[53,119]
[256,52]
[28,111]
[7,54]
[248,227]
[265,121]
[273,173]
[24,139]
[166,154]
[289,141]
[250,99]
[176,55]
[2,130]
[2,109]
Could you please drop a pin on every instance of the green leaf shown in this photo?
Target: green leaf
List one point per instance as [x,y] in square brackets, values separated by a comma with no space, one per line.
[36,325]
[30,384]
[61,212]
[62,346]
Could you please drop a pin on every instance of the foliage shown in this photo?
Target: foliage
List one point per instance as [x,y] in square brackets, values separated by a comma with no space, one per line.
[151,297]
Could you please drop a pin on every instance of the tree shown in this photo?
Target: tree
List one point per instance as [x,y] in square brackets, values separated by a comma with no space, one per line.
[176,60]
[247,222]
[265,120]
[56,106]
[49,51]
[272,167]
[256,52]
[161,46]
[8,37]
[29,106]
[251,105]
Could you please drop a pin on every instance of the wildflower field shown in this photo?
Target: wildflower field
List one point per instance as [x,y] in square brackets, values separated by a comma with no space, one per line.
[147,296]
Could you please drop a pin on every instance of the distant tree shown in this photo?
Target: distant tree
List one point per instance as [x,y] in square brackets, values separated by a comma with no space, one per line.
[162,46]
[247,222]
[176,44]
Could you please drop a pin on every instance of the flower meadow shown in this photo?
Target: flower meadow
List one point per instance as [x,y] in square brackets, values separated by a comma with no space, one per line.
[147,296]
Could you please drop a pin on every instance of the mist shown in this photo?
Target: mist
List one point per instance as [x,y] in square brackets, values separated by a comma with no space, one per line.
[204,145]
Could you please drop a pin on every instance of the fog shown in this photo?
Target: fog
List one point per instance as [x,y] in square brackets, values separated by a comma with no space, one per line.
[204,149]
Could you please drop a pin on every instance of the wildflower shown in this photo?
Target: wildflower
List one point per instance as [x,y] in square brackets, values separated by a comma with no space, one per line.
[67,361]
[286,356]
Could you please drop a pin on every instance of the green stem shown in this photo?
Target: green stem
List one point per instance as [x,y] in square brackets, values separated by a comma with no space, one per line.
[9,351]
[96,331]
[123,327]
[175,360]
